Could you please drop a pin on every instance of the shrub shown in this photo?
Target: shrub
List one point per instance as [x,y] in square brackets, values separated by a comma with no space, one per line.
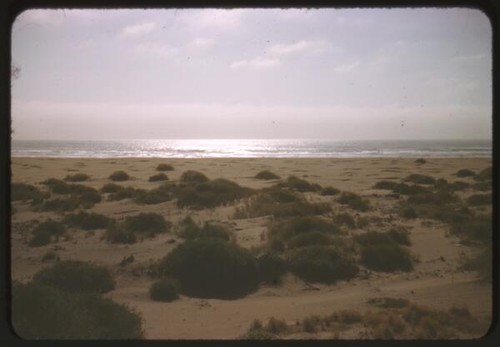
[87,221]
[465,173]
[24,192]
[271,268]
[405,189]
[354,201]
[50,256]
[482,186]
[310,324]
[76,277]
[154,196]
[345,219]
[164,167]
[57,186]
[484,175]
[479,200]
[40,239]
[400,235]
[482,263]
[42,312]
[210,194]
[298,184]
[321,264]
[276,326]
[158,177]
[286,229]
[310,238]
[387,257]
[407,211]
[329,191]
[166,289]
[119,176]
[125,193]
[477,228]
[89,199]
[69,204]
[420,179]
[46,232]
[387,302]
[111,188]
[420,161]
[388,185]
[147,223]
[79,177]
[192,176]
[267,175]
[116,234]
[210,268]
[189,230]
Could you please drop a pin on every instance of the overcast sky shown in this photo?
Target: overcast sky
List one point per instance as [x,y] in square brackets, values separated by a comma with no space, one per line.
[330,74]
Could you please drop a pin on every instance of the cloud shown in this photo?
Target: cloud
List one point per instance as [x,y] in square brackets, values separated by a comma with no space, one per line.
[346,67]
[470,58]
[158,49]
[256,63]
[202,42]
[302,46]
[138,30]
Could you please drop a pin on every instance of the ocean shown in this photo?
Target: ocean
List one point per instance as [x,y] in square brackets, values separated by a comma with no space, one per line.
[277,148]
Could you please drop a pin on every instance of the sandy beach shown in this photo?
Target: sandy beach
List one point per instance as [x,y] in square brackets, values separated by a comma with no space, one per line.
[436,280]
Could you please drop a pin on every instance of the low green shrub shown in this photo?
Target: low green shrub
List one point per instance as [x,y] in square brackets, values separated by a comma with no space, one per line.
[158,177]
[310,238]
[87,221]
[164,167]
[46,232]
[388,302]
[271,268]
[210,268]
[406,189]
[266,175]
[485,174]
[465,173]
[165,289]
[50,256]
[420,179]
[79,177]
[286,229]
[479,200]
[345,219]
[154,196]
[117,234]
[420,161]
[89,199]
[388,185]
[192,176]
[482,186]
[119,176]
[298,184]
[149,224]
[76,277]
[125,193]
[354,201]
[476,228]
[400,235]
[482,264]
[43,312]
[111,188]
[276,326]
[189,230]
[24,192]
[69,204]
[386,257]
[321,264]
[327,191]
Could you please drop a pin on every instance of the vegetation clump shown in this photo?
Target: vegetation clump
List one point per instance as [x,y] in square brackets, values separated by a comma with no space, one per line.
[119,176]
[165,289]
[158,177]
[479,200]
[420,161]
[50,256]
[76,277]
[192,176]
[46,232]
[87,221]
[271,268]
[484,175]
[44,312]
[266,175]
[164,167]
[189,230]
[148,224]
[163,193]
[388,185]
[210,268]
[354,201]
[78,177]
[465,173]
[24,192]
[298,184]
[345,219]
[420,179]
[111,188]
[117,234]
[328,191]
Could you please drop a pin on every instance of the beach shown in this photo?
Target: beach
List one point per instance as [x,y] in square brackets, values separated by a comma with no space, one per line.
[436,280]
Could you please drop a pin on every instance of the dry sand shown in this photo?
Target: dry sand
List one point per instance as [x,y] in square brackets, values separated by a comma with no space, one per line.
[434,282]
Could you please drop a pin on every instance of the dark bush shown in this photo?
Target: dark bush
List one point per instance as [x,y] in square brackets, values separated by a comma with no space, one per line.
[285,230]
[345,219]
[69,204]
[321,264]
[24,192]
[388,185]
[50,256]
[192,176]
[45,232]
[147,223]
[374,238]
[407,211]
[420,179]
[164,167]
[43,312]
[267,175]
[111,188]
[329,191]
[482,186]
[210,194]
[386,257]
[76,277]
[354,201]
[57,186]
[420,161]
[89,199]
[210,268]
[271,268]
[79,177]
[465,173]
[476,228]
[126,193]
[484,175]
[154,196]
[298,184]
[116,234]
[119,176]
[166,289]
[310,238]
[459,185]
[479,200]
[189,230]
[87,221]
[400,235]
[158,177]
[301,208]
[481,263]
[387,302]
[405,189]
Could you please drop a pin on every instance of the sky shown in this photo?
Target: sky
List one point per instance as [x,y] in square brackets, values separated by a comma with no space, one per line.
[341,74]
